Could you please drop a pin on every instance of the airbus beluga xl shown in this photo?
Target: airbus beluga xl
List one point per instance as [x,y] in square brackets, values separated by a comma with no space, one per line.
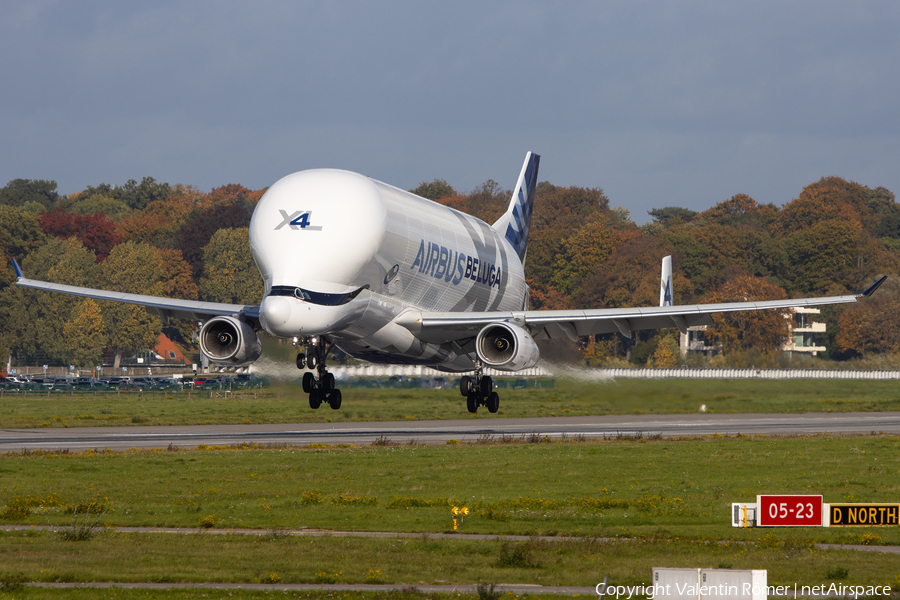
[390,277]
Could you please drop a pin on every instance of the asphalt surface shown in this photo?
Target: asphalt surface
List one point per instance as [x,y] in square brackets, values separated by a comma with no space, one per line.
[438,432]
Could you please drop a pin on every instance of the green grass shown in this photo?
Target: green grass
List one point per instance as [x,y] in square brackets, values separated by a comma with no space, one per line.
[626,488]
[288,404]
[164,558]
[33,593]
[670,497]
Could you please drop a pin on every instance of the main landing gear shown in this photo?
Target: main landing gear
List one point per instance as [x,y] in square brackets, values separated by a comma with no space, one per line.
[319,385]
[479,391]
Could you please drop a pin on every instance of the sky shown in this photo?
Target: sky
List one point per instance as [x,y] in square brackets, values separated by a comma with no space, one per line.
[657,103]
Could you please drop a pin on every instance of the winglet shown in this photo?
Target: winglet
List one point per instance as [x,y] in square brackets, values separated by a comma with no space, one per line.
[872,288]
[665,282]
[18,270]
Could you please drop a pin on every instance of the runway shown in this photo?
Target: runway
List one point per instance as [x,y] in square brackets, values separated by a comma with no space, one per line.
[438,432]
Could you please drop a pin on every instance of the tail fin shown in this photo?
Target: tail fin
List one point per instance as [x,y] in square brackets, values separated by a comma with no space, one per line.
[665,282]
[515,223]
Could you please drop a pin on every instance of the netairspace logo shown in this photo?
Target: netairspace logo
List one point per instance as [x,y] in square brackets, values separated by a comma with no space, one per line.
[723,590]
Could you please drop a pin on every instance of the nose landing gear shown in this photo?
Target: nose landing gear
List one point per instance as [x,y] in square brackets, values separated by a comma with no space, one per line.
[479,391]
[319,385]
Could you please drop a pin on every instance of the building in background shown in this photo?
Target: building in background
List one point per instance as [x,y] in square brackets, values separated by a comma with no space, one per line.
[803,330]
[801,339]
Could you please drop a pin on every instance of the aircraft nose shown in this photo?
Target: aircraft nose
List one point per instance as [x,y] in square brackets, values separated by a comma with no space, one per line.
[275,314]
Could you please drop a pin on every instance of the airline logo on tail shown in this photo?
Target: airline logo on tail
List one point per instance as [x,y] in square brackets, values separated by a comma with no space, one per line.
[518,216]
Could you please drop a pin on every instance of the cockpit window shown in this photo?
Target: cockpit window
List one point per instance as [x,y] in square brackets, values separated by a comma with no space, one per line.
[316,297]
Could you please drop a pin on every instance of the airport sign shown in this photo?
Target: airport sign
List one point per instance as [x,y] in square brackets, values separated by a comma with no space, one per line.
[862,515]
[789,511]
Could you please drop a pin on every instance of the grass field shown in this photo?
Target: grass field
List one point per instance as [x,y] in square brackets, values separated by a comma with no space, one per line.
[288,404]
[673,495]
[671,498]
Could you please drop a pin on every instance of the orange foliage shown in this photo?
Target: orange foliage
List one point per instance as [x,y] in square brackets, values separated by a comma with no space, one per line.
[872,325]
[829,198]
[547,299]
[765,330]
[178,276]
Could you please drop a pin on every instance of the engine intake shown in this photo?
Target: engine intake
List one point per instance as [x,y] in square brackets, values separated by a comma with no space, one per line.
[230,341]
[506,347]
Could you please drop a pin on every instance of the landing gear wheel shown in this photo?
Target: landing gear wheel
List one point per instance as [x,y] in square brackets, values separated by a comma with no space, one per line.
[311,362]
[465,386]
[472,403]
[493,402]
[487,386]
[301,361]
[315,399]
[334,399]
[309,382]
[326,383]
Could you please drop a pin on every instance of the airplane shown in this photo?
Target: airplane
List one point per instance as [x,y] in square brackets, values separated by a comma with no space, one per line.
[391,277]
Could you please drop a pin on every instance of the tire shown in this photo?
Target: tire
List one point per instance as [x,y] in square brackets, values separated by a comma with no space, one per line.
[465,386]
[493,402]
[334,399]
[311,362]
[301,361]
[309,382]
[315,399]
[472,403]
[327,383]
[487,386]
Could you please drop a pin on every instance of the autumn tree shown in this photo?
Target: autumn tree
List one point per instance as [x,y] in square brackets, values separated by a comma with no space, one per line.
[487,202]
[630,277]
[85,336]
[35,319]
[666,354]
[671,215]
[235,193]
[547,298]
[20,233]
[113,209]
[159,223]
[872,325]
[229,273]
[558,212]
[830,198]
[765,330]
[178,282]
[20,192]
[137,269]
[196,233]
[95,231]
[434,190]
[582,254]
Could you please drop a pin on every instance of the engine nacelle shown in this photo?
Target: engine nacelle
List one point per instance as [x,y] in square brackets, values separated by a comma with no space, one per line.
[227,340]
[506,347]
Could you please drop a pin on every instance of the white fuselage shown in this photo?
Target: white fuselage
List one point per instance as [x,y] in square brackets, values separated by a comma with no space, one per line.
[342,256]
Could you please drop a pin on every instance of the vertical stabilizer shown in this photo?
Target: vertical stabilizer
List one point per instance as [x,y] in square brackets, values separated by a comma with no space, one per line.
[665,282]
[515,223]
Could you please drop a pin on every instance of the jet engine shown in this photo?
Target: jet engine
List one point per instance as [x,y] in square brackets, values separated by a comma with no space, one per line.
[506,347]
[227,340]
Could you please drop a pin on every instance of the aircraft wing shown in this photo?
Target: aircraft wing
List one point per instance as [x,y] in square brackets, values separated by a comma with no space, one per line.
[162,307]
[437,327]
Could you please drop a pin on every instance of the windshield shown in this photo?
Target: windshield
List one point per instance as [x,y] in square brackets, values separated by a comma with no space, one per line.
[315,297]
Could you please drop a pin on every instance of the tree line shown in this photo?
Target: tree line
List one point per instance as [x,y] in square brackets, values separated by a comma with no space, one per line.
[173,240]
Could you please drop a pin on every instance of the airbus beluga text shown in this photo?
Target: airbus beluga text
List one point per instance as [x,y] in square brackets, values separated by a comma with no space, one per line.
[390,277]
